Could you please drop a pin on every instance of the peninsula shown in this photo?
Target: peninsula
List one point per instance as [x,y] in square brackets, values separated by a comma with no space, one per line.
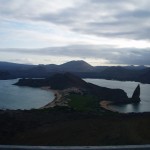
[70,88]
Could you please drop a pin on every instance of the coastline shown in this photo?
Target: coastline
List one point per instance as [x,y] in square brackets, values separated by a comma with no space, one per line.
[106,105]
[57,98]
[60,97]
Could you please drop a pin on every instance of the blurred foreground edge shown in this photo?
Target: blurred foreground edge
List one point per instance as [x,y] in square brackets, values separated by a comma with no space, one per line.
[125,147]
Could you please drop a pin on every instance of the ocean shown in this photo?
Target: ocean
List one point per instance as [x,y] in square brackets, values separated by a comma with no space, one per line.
[16,97]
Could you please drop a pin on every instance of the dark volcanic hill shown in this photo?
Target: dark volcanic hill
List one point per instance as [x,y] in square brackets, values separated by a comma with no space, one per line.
[145,76]
[132,67]
[72,66]
[64,81]
[76,66]
[5,75]
[119,73]
[58,81]
[8,66]
[80,68]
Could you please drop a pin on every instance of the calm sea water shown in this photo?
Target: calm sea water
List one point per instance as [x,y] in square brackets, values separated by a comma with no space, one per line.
[15,97]
[128,87]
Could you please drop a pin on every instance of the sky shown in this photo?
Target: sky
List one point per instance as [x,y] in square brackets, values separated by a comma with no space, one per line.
[101,32]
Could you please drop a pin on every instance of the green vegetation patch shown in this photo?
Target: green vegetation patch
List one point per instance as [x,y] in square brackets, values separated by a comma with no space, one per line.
[84,102]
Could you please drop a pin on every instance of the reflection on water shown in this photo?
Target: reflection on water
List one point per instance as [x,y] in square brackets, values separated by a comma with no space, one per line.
[135,107]
[127,107]
[128,87]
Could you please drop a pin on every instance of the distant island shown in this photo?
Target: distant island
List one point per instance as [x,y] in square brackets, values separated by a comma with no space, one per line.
[79,68]
[67,86]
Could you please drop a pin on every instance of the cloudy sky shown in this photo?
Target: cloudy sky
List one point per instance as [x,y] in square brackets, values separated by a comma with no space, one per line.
[101,32]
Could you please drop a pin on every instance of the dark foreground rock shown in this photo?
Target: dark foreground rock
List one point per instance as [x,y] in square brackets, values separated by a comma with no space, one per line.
[62,126]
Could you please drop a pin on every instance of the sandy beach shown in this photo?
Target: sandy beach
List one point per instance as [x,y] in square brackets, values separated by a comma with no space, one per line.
[60,96]
[106,105]
[57,94]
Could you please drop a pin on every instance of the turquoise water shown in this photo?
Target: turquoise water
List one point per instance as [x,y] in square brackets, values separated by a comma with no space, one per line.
[128,87]
[15,97]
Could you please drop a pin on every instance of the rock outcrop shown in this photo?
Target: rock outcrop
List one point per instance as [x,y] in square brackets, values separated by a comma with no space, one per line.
[136,95]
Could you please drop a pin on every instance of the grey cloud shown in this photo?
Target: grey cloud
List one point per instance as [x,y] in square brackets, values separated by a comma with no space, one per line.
[128,19]
[130,25]
[119,30]
[118,21]
[108,1]
[112,55]
[103,18]
[136,58]
[136,14]
[66,17]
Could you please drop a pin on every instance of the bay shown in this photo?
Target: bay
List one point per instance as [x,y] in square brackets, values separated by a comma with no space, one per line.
[16,97]
[128,87]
